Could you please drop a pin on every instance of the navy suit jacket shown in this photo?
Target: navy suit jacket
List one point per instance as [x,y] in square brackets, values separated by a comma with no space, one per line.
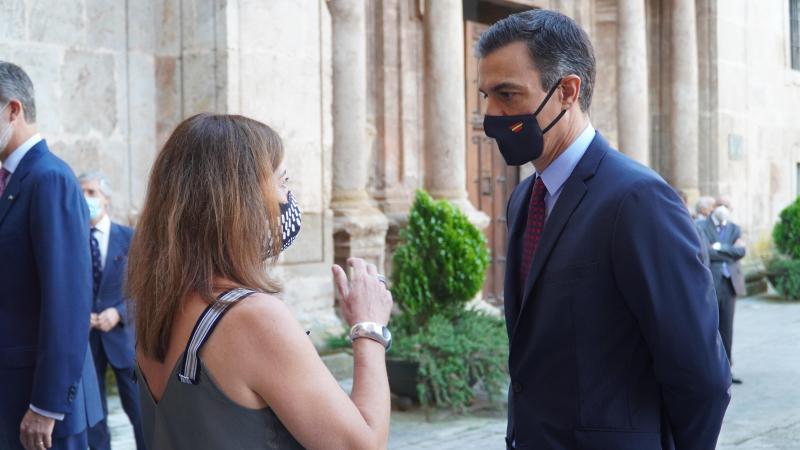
[45,298]
[118,342]
[613,340]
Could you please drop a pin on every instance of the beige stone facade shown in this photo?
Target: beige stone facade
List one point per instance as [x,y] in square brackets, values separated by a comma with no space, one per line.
[373,100]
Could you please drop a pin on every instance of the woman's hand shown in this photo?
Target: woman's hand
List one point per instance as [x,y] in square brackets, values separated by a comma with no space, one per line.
[365,298]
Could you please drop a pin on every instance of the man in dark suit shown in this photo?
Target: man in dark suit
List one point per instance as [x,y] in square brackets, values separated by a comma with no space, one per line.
[725,249]
[611,315]
[111,337]
[48,386]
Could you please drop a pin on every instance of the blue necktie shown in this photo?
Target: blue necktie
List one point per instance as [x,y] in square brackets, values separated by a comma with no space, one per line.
[97,270]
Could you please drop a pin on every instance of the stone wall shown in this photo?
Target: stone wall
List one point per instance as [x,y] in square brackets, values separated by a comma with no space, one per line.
[91,63]
[114,78]
[758,134]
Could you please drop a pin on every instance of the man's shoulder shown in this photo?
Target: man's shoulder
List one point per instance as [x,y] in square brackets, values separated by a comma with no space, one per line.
[49,166]
[618,175]
[626,171]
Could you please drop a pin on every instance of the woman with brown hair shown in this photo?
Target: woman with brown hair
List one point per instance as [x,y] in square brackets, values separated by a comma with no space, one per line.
[216,216]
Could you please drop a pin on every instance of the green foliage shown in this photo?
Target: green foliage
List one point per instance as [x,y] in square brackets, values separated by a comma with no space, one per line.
[453,354]
[442,261]
[439,267]
[338,341]
[784,273]
[787,231]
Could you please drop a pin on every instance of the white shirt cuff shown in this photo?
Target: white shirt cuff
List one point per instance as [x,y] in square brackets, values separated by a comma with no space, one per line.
[52,415]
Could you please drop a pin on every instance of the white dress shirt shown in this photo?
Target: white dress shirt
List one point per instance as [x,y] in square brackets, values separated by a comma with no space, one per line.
[101,233]
[557,173]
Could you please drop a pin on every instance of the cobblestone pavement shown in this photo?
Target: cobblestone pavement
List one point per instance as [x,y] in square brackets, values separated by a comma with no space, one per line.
[764,413]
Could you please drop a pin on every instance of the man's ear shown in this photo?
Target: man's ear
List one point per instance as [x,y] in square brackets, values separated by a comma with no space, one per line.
[15,107]
[570,91]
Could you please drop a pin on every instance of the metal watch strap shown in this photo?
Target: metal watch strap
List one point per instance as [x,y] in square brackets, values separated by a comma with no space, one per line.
[372,330]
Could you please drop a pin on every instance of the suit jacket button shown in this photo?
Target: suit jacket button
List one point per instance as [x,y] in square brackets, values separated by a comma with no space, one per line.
[516,387]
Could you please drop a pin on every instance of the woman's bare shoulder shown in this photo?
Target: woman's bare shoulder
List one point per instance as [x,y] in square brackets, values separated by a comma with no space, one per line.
[261,315]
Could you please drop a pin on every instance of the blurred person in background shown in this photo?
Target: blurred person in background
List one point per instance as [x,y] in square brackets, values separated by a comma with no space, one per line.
[111,338]
[726,248]
[703,208]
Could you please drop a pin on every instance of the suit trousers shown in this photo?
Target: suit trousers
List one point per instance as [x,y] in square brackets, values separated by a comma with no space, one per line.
[726,298]
[99,435]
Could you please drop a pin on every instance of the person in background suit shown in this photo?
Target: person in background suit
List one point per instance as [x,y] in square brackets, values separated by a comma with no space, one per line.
[111,337]
[704,207]
[725,250]
[611,316]
[48,387]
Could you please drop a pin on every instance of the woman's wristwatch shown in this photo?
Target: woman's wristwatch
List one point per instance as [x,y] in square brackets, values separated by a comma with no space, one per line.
[372,330]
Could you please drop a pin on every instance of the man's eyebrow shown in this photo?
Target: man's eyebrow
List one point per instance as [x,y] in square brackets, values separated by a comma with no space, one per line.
[502,86]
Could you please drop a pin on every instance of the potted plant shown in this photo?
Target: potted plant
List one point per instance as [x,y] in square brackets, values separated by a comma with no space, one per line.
[442,349]
[783,271]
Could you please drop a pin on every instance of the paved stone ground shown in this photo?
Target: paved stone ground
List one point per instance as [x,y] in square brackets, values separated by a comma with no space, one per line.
[765,410]
[764,413]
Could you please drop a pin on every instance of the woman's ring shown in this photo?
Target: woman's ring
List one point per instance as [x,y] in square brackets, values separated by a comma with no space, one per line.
[382,279]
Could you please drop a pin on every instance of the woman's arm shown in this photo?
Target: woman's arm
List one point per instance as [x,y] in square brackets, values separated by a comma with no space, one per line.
[285,370]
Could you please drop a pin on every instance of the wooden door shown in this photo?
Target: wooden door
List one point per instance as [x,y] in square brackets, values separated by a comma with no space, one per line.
[489,180]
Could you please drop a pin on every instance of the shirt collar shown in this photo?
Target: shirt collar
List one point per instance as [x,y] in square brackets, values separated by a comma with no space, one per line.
[16,156]
[559,170]
[716,222]
[104,226]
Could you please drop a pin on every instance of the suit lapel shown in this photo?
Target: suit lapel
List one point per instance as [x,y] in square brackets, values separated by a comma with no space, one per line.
[573,192]
[14,187]
[515,232]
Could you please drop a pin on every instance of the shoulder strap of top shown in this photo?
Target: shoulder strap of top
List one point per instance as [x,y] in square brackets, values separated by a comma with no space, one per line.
[190,367]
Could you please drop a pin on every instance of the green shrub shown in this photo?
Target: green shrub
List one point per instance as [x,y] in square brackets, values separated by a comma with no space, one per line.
[787,231]
[441,263]
[439,267]
[784,273]
[453,354]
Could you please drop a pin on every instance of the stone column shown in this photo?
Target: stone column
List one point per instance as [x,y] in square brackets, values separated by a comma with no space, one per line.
[684,101]
[445,108]
[633,117]
[359,227]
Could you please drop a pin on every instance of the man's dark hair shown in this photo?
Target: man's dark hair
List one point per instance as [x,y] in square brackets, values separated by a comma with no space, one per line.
[557,46]
[16,85]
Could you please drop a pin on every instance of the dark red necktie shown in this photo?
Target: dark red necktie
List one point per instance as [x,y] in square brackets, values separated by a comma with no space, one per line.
[533,229]
[4,176]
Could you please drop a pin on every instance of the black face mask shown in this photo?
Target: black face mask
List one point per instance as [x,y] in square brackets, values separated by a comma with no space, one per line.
[520,138]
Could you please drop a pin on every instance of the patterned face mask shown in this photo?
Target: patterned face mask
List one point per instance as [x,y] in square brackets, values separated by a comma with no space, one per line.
[291,218]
